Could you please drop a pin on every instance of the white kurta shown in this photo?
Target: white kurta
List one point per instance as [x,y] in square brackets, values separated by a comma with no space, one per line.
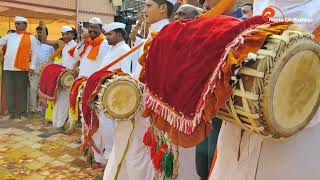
[67,60]
[115,52]
[13,41]
[88,66]
[61,107]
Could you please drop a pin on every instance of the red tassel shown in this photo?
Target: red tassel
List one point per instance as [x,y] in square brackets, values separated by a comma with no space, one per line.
[83,147]
[157,160]
[147,138]
[153,149]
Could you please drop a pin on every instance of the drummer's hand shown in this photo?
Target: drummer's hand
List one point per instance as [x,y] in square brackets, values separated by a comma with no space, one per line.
[76,66]
[76,70]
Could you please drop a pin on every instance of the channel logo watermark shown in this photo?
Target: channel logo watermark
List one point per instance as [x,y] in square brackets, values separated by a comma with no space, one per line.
[275,14]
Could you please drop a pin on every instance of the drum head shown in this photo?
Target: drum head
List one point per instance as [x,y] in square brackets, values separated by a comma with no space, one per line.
[121,98]
[292,95]
[67,80]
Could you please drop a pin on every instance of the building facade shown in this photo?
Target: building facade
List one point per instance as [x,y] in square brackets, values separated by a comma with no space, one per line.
[54,13]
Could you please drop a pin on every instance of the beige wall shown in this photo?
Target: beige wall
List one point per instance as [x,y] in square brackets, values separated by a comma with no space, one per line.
[95,8]
[67,4]
[195,2]
[58,9]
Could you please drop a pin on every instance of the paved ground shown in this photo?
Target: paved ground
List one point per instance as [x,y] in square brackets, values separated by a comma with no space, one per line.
[24,155]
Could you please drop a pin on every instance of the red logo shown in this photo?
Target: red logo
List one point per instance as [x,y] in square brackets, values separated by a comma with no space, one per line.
[270,12]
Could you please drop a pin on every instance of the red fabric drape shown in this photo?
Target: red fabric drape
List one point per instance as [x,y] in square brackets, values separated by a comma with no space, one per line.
[49,80]
[182,60]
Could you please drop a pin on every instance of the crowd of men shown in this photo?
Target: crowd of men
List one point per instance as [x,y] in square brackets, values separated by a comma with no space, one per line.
[25,54]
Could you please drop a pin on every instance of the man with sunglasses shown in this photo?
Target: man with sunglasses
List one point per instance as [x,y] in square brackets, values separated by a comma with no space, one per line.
[20,57]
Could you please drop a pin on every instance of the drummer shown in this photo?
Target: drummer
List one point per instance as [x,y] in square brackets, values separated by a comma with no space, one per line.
[245,156]
[91,54]
[115,34]
[61,105]
[137,163]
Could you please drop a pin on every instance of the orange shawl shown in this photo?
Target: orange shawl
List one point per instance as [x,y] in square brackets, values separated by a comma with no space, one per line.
[317,33]
[95,47]
[219,8]
[57,53]
[24,52]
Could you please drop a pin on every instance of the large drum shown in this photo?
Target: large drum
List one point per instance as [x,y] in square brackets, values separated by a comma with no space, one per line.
[67,79]
[278,92]
[120,97]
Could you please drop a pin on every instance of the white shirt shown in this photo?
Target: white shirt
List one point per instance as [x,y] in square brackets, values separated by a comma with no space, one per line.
[115,52]
[304,13]
[13,41]
[87,66]
[44,51]
[155,27]
[67,60]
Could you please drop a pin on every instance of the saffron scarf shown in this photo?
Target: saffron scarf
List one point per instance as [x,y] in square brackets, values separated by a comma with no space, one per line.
[95,47]
[56,53]
[24,52]
[219,8]
[317,33]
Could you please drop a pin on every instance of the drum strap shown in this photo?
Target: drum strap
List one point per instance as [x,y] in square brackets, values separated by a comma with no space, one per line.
[122,57]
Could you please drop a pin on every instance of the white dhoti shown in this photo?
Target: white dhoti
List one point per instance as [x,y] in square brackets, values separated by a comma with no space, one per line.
[61,108]
[252,157]
[187,164]
[136,164]
[103,139]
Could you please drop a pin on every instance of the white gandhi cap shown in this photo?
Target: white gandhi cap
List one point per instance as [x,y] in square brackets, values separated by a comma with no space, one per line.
[95,20]
[65,29]
[21,19]
[113,26]
[172,1]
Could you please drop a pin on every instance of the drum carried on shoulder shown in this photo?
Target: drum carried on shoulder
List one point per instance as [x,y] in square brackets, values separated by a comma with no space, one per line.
[66,76]
[278,92]
[119,97]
